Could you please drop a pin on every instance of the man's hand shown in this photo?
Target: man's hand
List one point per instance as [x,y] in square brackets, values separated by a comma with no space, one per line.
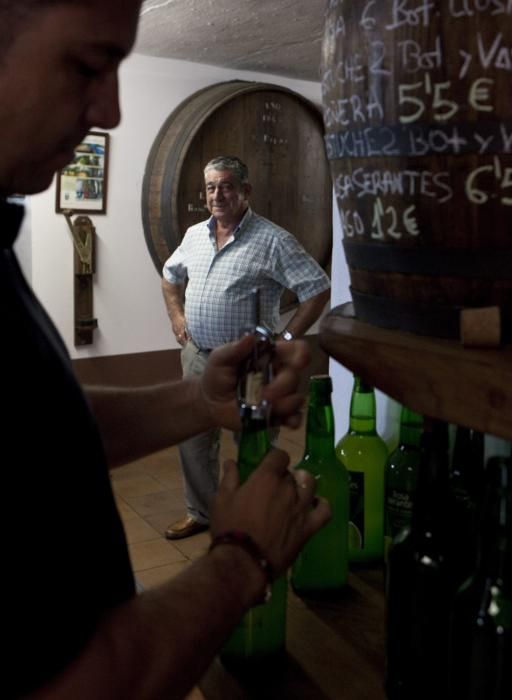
[220,379]
[174,295]
[179,328]
[276,507]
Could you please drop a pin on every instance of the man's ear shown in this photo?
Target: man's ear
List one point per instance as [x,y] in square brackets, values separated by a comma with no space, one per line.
[247,189]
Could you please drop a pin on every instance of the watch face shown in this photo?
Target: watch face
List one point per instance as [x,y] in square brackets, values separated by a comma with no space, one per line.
[287,335]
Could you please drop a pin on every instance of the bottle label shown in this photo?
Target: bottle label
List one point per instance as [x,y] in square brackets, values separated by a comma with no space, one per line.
[398,511]
[356,524]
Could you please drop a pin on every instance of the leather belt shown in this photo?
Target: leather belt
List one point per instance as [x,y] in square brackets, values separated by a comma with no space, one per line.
[206,351]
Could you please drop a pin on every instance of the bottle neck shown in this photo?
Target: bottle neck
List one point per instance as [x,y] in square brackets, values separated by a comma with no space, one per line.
[431,509]
[411,428]
[468,461]
[362,409]
[319,429]
[254,444]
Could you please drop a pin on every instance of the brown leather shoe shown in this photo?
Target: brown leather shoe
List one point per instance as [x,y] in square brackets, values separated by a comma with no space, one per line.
[185,527]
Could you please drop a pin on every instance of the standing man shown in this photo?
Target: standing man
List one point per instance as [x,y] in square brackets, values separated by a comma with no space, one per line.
[74,627]
[218,263]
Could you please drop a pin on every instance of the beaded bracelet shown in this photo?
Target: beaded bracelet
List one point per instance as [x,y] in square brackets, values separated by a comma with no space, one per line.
[245,541]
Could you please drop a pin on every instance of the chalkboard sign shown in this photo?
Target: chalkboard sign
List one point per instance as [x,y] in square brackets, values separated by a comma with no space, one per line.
[418,114]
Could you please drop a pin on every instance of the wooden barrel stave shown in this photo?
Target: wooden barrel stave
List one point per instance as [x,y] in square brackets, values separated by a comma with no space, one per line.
[418,131]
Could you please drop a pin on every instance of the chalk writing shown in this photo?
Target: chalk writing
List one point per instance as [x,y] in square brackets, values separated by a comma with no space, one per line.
[387,222]
[439,99]
[363,182]
[416,98]
[413,58]
[347,110]
[195,208]
[352,223]
[421,140]
[335,27]
[350,70]
[403,14]
[496,55]
[368,22]
[493,55]
[377,53]
[468,8]
[271,118]
[274,140]
[503,176]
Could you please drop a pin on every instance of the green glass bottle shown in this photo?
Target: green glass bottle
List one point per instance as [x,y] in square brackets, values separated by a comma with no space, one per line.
[261,635]
[364,455]
[466,484]
[481,631]
[322,566]
[401,475]
[420,586]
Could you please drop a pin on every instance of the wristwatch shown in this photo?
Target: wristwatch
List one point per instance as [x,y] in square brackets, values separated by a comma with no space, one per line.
[287,335]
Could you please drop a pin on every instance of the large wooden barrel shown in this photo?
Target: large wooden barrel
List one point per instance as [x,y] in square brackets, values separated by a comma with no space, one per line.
[418,115]
[278,133]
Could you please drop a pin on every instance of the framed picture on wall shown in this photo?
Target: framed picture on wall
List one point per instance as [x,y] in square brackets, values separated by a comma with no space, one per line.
[82,185]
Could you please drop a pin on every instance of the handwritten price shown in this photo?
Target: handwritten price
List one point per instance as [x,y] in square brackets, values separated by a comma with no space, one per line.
[385,222]
[503,176]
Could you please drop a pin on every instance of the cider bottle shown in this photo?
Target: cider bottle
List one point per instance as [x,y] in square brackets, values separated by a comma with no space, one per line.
[401,475]
[363,453]
[322,565]
[466,485]
[481,631]
[261,634]
[420,585]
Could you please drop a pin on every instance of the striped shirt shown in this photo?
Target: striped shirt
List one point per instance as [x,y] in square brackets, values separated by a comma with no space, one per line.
[258,254]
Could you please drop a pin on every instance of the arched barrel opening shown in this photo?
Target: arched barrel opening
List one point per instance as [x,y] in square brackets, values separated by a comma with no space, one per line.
[277,132]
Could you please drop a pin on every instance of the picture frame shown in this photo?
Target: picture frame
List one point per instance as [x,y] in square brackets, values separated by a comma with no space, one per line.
[82,185]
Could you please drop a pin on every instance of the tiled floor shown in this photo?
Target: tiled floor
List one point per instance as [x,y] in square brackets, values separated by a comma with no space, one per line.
[149,495]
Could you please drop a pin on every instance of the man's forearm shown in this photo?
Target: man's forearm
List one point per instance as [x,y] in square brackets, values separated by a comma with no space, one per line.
[174,300]
[307,313]
[137,421]
[159,644]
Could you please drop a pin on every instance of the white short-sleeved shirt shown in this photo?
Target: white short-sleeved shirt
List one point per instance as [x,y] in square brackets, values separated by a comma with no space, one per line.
[259,254]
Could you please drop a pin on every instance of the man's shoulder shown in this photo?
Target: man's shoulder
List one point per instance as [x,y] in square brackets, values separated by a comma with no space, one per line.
[261,223]
[196,233]
[198,228]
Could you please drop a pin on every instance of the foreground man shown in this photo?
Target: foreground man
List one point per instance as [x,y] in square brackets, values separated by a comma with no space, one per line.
[207,285]
[73,625]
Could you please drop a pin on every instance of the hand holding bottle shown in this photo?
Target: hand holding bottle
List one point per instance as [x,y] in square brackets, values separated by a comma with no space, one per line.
[220,380]
[277,509]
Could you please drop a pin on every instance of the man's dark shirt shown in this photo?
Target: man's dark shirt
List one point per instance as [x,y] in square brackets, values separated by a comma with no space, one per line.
[64,555]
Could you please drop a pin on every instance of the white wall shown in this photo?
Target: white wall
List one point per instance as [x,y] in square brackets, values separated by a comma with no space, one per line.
[127,297]
[387,409]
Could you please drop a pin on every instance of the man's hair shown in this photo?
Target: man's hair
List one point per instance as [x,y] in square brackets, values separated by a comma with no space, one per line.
[231,163]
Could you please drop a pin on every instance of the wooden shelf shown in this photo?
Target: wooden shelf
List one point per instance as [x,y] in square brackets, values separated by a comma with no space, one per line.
[438,378]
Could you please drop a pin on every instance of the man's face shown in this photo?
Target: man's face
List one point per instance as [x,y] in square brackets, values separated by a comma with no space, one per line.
[226,198]
[58,79]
